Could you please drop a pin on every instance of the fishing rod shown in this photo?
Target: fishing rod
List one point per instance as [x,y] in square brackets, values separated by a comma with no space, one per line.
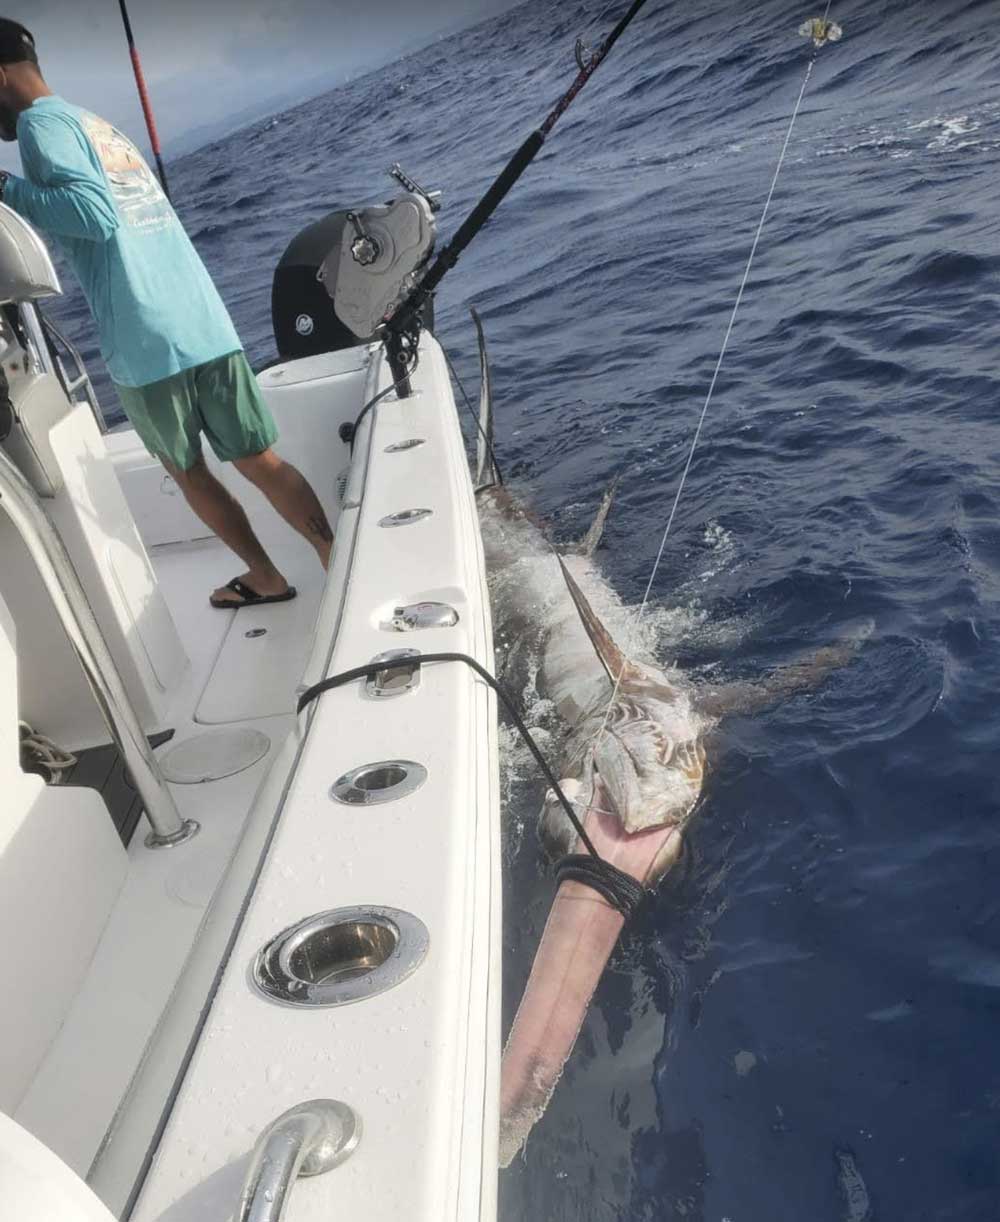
[402,331]
[147,109]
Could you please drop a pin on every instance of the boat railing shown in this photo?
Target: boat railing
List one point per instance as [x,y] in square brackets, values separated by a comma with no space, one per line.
[64,361]
[48,553]
[306,1140]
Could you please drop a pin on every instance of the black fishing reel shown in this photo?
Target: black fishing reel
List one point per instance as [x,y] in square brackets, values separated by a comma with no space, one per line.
[341,280]
[377,263]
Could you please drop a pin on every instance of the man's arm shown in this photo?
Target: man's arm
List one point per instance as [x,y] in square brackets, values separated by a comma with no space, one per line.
[73,199]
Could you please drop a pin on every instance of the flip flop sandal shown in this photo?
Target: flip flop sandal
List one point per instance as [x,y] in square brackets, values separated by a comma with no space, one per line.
[248,597]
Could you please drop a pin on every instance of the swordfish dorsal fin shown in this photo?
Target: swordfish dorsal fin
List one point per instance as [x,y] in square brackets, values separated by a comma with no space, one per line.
[610,656]
[486,471]
[588,544]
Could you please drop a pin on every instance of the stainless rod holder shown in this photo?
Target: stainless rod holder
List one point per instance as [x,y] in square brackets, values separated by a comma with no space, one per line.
[306,1140]
[19,501]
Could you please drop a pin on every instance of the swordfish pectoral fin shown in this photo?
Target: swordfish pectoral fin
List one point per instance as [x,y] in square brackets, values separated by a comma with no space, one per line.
[738,699]
[611,657]
[743,698]
[486,471]
[589,544]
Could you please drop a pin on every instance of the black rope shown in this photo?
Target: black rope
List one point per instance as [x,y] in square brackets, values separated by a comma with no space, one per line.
[619,889]
[383,394]
[475,420]
[592,872]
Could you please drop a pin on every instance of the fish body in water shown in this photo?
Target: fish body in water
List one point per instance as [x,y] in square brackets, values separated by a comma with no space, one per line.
[632,761]
[645,748]
[633,772]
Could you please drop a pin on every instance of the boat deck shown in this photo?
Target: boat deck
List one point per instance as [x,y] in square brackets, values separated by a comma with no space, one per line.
[137,1081]
[246,664]
[234,680]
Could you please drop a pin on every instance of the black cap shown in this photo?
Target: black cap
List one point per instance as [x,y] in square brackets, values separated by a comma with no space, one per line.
[16,44]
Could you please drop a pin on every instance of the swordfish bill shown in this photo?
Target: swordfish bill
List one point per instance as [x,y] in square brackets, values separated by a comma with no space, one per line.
[583,928]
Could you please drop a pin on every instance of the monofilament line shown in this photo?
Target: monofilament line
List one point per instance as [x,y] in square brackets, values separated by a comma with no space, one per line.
[711,390]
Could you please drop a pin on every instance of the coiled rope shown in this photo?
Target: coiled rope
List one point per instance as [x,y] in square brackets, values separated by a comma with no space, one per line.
[39,753]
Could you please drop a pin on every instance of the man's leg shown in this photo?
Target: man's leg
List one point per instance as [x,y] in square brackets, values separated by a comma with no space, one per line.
[292,496]
[224,515]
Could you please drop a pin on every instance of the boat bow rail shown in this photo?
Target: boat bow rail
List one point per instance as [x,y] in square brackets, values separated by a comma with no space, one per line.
[45,547]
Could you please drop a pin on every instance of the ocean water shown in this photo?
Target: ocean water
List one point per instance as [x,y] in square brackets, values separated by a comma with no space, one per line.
[802,1023]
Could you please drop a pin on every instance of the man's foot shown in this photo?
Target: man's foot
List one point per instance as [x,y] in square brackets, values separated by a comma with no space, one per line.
[252,590]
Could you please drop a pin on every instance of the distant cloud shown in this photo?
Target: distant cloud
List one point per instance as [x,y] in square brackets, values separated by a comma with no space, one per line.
[207,60]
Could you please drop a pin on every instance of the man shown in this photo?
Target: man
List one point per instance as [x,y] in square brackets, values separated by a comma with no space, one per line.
[167,339]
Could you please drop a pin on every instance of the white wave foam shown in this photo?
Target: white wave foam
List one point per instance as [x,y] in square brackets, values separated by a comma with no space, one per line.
[948,133]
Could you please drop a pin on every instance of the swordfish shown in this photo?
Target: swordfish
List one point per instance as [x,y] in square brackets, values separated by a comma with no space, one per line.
[632,761]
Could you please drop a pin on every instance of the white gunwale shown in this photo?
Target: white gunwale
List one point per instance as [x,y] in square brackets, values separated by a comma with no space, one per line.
[168,1063]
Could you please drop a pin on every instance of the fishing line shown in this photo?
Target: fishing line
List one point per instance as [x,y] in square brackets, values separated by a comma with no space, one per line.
[711,389]
[475,420]
[405,317]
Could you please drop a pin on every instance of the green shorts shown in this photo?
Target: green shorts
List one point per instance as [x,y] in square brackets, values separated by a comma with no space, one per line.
[220,399]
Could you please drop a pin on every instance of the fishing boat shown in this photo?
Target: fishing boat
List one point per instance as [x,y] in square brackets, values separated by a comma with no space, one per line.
[247,921]
[250,861]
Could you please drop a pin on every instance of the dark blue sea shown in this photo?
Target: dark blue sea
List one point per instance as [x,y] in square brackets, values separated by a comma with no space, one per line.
[804,1023]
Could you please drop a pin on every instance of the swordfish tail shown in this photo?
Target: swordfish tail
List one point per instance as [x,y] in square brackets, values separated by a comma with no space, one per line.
[580,934]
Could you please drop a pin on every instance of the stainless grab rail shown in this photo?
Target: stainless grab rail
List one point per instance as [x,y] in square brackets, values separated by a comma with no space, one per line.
[19,501]
[44,342]
[306,1140]
[72,383]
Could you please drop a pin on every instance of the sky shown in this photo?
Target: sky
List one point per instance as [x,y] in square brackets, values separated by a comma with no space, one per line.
[212,62]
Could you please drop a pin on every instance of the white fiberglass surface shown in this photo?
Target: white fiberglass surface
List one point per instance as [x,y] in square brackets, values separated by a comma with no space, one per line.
[418,1062]
[76,1092]
[249,661]
[309,399]
[245,667]
[77,1089]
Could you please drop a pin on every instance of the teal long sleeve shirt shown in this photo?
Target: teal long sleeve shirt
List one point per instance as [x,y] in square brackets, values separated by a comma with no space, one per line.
[156,308]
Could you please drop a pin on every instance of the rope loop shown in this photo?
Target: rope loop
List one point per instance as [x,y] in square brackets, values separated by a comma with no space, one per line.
[619,889]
